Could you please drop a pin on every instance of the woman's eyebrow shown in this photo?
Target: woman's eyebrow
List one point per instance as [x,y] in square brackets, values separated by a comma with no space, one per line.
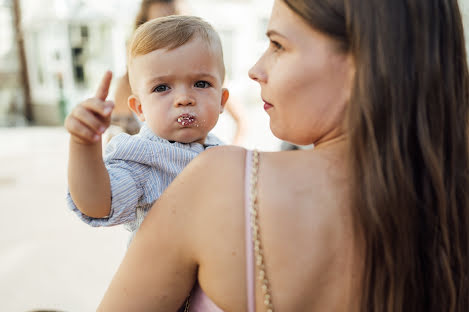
[272,32]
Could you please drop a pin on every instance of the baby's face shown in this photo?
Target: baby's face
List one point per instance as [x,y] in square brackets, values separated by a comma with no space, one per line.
[178,93]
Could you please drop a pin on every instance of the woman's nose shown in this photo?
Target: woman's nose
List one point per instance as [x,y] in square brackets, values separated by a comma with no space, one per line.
[256,74]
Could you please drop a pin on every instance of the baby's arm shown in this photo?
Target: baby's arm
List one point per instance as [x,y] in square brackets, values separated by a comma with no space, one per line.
[88,178]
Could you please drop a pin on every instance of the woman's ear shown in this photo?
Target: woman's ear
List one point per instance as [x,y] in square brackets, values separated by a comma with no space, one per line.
[136,107]
[224,98]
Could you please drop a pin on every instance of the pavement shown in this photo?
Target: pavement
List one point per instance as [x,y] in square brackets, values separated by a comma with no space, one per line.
[49,259]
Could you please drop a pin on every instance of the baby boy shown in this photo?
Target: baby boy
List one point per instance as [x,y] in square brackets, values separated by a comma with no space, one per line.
[176,73]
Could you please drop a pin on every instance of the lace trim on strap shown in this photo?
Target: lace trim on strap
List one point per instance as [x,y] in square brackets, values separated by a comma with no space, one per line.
[251,283]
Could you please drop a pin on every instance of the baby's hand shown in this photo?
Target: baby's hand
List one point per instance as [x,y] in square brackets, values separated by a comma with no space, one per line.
[89,119]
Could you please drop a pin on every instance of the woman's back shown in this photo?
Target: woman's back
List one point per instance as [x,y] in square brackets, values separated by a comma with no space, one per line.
[305,226]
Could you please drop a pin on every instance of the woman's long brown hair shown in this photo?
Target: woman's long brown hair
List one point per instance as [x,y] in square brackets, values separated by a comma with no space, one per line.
[407,125]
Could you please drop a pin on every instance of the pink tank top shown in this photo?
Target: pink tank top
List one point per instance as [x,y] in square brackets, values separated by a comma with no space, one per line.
[199,301]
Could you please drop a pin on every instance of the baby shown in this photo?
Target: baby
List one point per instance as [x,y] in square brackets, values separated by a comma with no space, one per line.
[176,73]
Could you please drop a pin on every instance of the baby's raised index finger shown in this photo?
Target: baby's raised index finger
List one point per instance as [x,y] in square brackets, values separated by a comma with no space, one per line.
[103,88]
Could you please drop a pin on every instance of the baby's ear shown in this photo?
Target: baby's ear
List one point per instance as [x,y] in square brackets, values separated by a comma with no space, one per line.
[136,107]
[224,98]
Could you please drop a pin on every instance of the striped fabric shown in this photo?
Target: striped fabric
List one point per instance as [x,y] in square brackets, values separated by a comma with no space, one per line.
[140,168]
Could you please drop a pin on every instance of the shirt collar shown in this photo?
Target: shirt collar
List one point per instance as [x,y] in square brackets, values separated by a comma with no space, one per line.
[147,133]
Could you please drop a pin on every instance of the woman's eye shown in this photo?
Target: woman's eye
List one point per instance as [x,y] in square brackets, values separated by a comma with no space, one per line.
[161,88]
[202,84]
[277,46]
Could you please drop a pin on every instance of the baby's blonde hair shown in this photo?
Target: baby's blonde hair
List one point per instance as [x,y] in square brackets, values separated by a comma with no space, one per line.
[171,32]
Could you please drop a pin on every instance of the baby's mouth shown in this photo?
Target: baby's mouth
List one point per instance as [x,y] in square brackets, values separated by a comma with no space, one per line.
[186,120]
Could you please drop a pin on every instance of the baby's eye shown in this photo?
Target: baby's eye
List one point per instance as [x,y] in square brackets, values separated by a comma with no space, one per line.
[202,84]
[161,88]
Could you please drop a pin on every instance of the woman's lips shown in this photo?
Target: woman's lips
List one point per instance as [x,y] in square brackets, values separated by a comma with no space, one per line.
[267,105]
[186,120]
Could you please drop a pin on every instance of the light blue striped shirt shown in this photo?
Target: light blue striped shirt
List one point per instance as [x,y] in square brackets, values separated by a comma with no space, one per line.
[140,168]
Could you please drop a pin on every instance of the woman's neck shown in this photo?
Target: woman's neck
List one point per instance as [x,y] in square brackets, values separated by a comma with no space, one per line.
[337,140]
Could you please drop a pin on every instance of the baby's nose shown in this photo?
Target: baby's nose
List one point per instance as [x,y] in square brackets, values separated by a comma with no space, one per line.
[184,100]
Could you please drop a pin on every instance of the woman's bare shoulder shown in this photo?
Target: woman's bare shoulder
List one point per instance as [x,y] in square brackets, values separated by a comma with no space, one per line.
[220,165]
[210,176]
[219,173]
[218,162]
[198,193]
[227,154]
[206,197]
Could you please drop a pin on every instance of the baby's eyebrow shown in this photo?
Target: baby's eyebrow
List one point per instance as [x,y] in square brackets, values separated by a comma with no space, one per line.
[204,75]
[152,80]
[161,77]
[167,78]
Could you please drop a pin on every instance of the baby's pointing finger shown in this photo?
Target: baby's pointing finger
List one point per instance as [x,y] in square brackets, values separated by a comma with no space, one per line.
[103,88]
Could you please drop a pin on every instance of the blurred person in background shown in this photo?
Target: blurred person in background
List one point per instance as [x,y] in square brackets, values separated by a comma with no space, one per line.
[122,119]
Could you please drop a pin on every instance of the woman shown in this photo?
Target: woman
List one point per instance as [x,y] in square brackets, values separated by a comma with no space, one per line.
[375,218]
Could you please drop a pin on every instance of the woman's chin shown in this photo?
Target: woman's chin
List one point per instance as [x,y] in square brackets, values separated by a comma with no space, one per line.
[289,136]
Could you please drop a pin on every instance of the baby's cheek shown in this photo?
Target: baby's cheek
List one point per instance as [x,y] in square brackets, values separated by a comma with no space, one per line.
[205,123]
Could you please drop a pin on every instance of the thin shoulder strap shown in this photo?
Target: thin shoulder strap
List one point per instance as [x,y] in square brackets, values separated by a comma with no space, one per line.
[251,292]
